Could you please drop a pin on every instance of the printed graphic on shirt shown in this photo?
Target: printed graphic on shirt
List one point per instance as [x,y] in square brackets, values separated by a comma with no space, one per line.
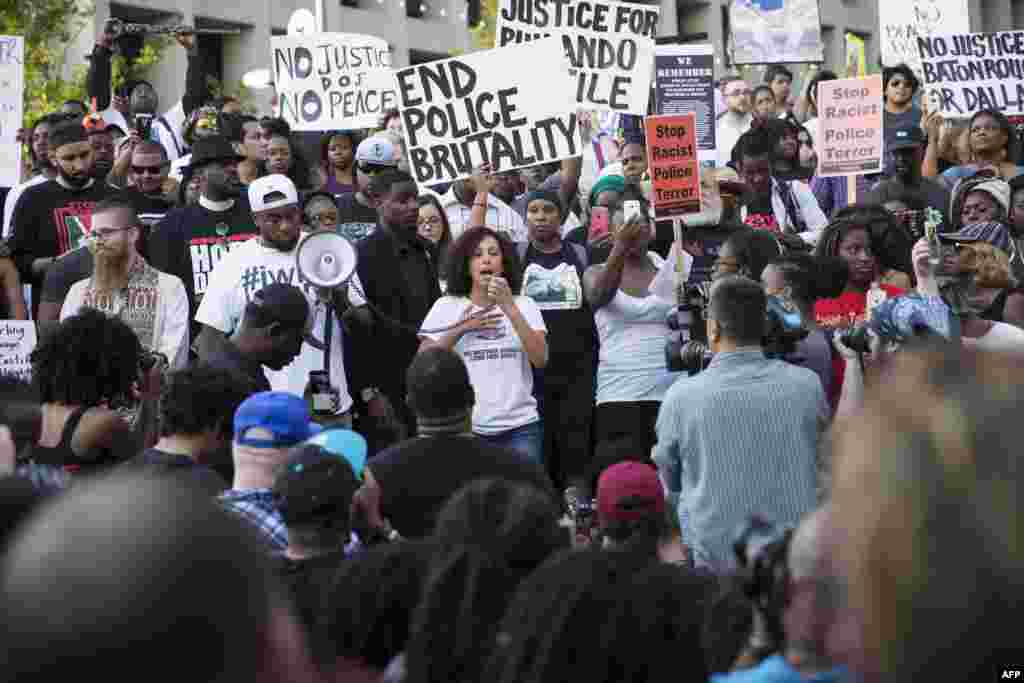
[762,221]
[255,278]
[136,304]
[356,231]
[73,222]
[207,252]
[557,289]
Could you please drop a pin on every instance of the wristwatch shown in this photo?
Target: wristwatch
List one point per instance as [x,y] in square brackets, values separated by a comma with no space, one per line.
[370,393]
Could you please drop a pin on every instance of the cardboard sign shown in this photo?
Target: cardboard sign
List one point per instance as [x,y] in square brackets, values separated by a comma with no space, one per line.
[850,139]
[610,45]
[775,31]
[488,107]
[672,160]
[12,94]
[17,339]
[684,78]
[332,81]
[967,72]
[902,23]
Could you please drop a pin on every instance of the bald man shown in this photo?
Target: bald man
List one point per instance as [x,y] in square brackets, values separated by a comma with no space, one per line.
[129,573]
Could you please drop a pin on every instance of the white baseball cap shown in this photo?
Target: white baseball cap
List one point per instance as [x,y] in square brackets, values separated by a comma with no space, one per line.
[261,188]
[376,150]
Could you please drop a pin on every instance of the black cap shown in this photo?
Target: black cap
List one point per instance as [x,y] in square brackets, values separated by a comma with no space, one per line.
[281,303]
[67,133]
[315,486]
[213,148]
[909,136]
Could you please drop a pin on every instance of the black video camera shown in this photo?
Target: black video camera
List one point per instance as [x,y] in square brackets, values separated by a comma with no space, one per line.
[762,552]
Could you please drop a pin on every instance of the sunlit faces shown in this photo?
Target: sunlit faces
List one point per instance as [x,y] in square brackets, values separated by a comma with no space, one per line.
[738,96]
[979,207]
[74,162]
[430,225]
[757,173]
[855,248]
[986,135]
[634,161]
[486,262]
[543,220]
[279,228]
[148,172]
[899,90]
[113,235]
[764,102]
[279,155]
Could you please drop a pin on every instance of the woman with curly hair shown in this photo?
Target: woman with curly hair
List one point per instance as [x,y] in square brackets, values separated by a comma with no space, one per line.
[87,366]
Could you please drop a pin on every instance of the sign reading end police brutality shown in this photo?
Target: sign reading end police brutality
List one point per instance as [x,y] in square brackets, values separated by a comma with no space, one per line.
[509,108]
[330,81]
[964,73]
[610,45]
[850,126]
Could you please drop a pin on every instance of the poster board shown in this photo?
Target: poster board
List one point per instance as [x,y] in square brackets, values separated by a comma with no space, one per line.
[902,23]
[967,72]
[672,161]
[775,31]
[488,107]
[684,78]
[850,119]
[17,339]
[609,44]
[12,95]
[332,81]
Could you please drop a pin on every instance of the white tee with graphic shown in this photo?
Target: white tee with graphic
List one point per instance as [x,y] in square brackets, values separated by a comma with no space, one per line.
[557,289]
[245,270]
[499,368]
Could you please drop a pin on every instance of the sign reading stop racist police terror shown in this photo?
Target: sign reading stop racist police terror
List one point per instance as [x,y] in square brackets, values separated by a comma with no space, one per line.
[672,160]
[488,107]
[610,45]
[331,81]
[850,126]
[968,72]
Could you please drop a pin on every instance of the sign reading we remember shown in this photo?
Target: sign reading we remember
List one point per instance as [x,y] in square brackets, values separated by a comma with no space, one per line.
[12,91]
[331,81]
[509,108]
[684,83]
[610,45]
[967,72]
[672,160]
[17,339]
[850,126]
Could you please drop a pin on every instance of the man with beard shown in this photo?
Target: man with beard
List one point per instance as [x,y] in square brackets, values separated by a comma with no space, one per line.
[123,285]
[251,266]
[55,217]
[102,141]
[737,118]
[906,153]
[42,166]
[194,239]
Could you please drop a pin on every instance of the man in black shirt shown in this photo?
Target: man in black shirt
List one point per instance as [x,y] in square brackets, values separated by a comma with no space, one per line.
[906,184]
[406,485]
[274,325]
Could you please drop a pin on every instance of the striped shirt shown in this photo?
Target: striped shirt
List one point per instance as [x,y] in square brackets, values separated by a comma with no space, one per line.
[500,216]
[740,438]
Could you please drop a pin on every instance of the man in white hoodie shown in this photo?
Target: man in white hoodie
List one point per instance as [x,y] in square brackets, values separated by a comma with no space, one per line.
[737,117]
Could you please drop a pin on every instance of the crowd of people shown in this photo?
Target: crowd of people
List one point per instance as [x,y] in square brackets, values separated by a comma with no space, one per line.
[481,457]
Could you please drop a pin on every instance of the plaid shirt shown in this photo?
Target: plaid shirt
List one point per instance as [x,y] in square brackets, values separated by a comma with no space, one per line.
[258,508]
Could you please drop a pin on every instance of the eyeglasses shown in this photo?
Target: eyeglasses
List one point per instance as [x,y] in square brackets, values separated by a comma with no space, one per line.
[150,170]
[104,233]
[433,220]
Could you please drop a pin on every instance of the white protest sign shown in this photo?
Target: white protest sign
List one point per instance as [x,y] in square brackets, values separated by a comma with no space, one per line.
[12,92]
[902,23]
[331,81]
[17,339]
[610,45]
[967,72]
[510,107]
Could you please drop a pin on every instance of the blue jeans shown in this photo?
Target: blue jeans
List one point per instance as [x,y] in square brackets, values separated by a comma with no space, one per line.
[527,440]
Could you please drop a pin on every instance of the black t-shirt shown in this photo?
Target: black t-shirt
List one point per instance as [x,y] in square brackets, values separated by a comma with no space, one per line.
[227,357]
[418,476]
[355,220]
[308,582]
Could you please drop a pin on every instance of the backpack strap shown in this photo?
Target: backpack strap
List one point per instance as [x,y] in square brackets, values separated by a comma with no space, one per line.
[174,138]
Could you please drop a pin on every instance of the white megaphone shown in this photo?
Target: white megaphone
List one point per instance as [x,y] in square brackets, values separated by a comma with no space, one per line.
[325,260]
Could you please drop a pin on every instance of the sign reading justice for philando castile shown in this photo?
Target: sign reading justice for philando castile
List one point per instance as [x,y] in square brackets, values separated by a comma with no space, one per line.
[509,107]
[332,81]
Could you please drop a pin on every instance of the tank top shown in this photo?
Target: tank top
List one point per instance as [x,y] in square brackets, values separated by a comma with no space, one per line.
[60,455]
[632,333]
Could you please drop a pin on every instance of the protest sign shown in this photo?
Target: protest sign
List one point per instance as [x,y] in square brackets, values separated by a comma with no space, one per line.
[684,84]
[12,92]
[332,81]
[775,31]
[967,72]
[672,161]
[850,126]
[610,45]
[17,339]
[903,22]
[488,107]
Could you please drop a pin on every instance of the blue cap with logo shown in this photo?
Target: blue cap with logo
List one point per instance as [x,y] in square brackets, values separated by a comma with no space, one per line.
[286,416]
[346,444]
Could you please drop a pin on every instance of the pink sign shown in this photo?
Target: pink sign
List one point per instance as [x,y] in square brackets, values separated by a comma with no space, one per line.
[850,140]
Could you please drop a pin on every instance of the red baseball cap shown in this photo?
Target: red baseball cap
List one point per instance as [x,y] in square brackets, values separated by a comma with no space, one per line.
[624,481]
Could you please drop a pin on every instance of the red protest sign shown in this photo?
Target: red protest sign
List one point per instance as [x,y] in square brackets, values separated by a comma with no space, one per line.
[672,162]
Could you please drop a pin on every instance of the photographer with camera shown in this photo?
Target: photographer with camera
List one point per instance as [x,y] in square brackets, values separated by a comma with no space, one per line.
[784,578]
[742,436]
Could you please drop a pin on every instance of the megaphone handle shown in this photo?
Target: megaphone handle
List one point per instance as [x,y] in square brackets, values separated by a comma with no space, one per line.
[328,334]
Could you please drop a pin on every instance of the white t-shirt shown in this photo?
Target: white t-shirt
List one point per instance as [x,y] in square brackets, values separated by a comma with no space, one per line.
[245,270]
[169,324]
[499,368]
[1002,337]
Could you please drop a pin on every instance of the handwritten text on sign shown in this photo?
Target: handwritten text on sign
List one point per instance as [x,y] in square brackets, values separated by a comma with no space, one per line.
[964,73]
[610,46]
[672,159]
[486,107]
[17,339]
[330,81]
[850,126]
[12,90]
[902,23]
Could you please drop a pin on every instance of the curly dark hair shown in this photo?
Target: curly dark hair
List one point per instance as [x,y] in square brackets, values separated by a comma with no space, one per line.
[812,277]
[201,397]
[891,241]
[301,172]
[754,250]
[460,282]
[88,359]
[354,138]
